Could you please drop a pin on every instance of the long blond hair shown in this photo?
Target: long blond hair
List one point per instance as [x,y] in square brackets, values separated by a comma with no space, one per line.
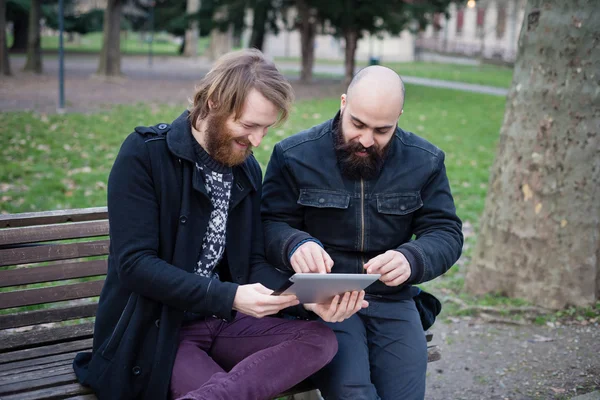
[230,80]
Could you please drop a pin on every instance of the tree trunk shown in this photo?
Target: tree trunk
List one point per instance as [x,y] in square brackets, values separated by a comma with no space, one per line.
[20,29]
[4,60]
[351,38]
[110,55]
[191,34]
[307,41]
[34,48]
[261,11]
[220,42]
[539,235]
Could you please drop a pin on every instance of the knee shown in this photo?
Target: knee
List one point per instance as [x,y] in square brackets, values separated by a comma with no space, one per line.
[323,338]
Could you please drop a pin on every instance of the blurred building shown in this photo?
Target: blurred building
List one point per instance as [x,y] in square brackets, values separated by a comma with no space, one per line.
[477,28]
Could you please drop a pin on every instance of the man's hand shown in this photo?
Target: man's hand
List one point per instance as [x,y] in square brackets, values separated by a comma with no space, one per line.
[393,267]
[256,300]
[310,257]
[337,310]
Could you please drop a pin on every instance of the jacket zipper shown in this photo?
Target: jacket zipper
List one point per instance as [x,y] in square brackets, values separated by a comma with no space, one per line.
[362,224]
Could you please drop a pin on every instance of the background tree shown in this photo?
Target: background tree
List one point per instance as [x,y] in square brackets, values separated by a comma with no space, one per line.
[307,25]
[34,46]
[191,34]
[17,12]
[352,19]
[4,60]
[539,234]
[110,55]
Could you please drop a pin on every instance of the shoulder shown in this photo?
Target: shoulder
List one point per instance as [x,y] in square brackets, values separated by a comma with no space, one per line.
[143,139]
[309,135]
[417,143]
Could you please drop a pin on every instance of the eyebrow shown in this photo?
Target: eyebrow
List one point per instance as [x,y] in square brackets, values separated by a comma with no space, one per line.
[254,124]
[362,123]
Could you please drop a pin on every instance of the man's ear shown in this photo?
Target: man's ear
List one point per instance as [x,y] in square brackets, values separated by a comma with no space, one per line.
[343,101]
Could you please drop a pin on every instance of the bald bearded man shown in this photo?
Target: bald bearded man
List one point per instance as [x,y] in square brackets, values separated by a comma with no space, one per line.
[358,194]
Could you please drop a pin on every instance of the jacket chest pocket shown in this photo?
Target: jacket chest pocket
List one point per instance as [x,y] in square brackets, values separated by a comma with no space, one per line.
[398,203]
[327,215]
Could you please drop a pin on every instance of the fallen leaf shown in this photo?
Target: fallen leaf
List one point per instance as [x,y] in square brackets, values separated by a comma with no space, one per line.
[538,208]
[557,390]
[527,193]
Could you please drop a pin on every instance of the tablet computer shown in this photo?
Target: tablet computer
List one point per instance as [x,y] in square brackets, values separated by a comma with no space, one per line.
[321,288]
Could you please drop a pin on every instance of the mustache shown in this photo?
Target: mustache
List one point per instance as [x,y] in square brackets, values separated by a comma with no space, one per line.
[353,147]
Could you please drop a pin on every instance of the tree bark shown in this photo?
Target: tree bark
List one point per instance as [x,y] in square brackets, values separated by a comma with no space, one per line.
[34,48]
[539,234]
[351,38]
[191,34]
[261,11]
[20,29]
[307,40]
[110,55]
[4,60]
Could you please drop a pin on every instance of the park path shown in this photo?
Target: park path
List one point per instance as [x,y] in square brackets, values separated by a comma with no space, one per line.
[167,80]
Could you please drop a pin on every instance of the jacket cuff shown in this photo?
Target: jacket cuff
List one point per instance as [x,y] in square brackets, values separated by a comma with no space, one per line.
[414,258]
[291,245]
[222,296]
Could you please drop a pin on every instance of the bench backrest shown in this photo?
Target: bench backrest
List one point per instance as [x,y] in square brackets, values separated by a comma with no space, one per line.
[52,268]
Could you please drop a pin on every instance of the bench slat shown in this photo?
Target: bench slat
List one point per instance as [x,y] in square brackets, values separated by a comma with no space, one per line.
[39,383]
[52,252]
[56,272]
[44,233]
[44,351]
[46,336]
[50,294]
[53,217]
[51,393]
[37,361]
[45,316]
[34,371]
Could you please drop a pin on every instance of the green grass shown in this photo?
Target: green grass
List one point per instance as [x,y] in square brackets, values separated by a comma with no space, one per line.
[62,161]
[485,74]
[131,43]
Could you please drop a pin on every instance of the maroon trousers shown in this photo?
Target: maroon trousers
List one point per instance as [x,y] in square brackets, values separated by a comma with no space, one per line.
[248,358]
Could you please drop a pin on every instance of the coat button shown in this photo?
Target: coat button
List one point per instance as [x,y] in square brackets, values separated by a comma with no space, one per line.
[321,200]
[157,323]
[183,219]
[136,370]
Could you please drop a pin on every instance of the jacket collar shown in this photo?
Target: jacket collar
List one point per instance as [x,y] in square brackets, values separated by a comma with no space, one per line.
[180,143]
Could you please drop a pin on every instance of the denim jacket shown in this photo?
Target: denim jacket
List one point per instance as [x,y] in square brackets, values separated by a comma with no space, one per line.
[408,207]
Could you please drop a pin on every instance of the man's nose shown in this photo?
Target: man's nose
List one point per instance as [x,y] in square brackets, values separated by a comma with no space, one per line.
[366,140]
[255,139]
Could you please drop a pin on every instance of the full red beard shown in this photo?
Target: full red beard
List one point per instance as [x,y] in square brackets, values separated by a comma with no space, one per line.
[354,166]
[219,140]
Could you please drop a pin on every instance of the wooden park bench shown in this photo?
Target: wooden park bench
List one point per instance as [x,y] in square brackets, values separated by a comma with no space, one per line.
[52,267]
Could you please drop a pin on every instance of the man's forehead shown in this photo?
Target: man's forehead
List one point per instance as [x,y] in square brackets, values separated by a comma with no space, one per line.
[258,110]
[373,115]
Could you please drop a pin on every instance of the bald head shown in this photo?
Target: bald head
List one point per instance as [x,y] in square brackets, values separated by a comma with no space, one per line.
[378,85]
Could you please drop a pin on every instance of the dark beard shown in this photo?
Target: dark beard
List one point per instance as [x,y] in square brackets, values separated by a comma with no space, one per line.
[219,142]
[356,167]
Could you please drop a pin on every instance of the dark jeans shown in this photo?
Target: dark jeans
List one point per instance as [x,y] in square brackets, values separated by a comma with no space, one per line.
[382,354]
[248,358]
